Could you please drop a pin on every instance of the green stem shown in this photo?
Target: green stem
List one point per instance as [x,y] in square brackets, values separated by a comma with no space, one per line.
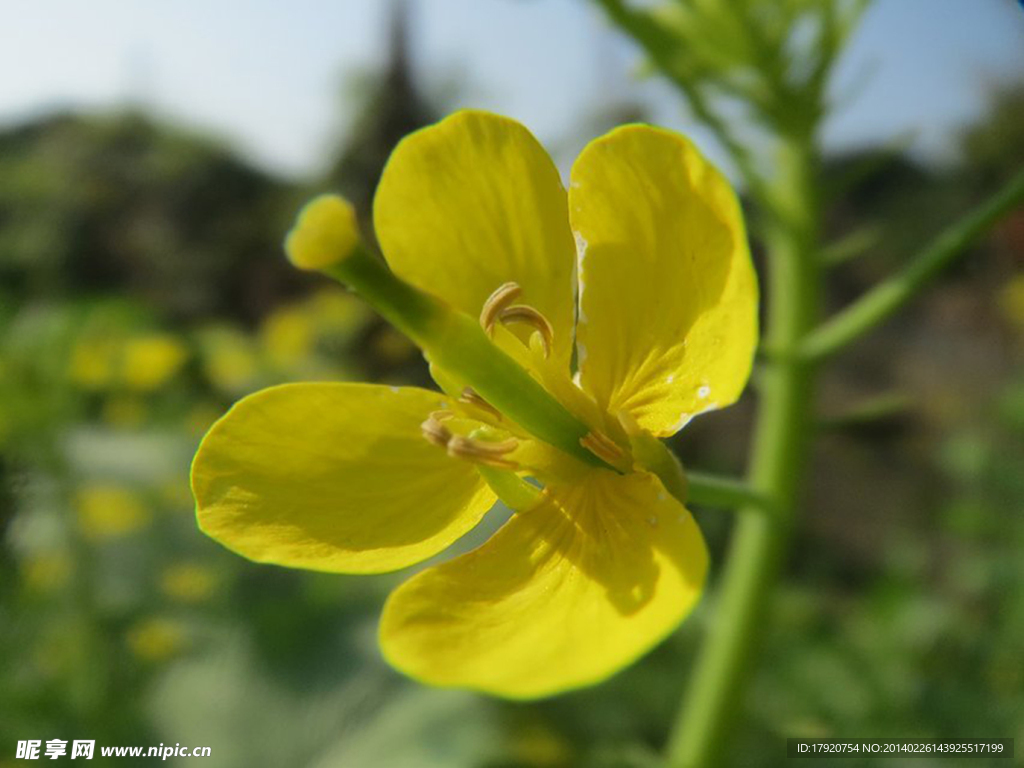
[851,246]
[883,301]
[780,452]
[724,492]
[457,344]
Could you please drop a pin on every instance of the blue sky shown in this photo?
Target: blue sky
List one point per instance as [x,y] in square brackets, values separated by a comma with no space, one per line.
[268,75]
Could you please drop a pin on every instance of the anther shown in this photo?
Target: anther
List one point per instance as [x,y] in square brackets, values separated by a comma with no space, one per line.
[603,447]
[483,452]
[435,432]
[485,448]
[470,397]
[520,313]
[496,302]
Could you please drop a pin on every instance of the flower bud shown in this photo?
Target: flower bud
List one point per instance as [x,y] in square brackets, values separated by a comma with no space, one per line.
[324,234]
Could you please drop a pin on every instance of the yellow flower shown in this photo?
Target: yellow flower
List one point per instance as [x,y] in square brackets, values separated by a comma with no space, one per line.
[150,361]
[647,249]
[188,582]
[228,358]
[93,363]
[1011,301]
[288,337]
[109,511]
[47,572]
[156,639]
[336,313]
[141,364]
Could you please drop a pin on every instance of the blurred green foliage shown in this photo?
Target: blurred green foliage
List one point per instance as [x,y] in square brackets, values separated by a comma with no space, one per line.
[142,291]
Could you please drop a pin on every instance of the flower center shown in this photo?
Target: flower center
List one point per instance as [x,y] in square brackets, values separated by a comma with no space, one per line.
[499,308]
[478,432]
[475,447]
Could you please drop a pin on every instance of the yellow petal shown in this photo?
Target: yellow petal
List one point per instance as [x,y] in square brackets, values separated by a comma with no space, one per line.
[474,202]
[668,296]
[564,595]
[333,477]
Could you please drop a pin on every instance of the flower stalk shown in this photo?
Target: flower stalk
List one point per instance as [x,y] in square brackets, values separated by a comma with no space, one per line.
[779,456]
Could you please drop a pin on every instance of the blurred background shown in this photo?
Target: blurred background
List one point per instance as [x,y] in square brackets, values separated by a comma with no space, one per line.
[151,157]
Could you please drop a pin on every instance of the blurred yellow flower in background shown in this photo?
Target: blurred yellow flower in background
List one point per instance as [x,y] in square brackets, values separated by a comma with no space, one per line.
[94,363]
[156,638]
[46,572]
[150,361]
[336,313]
[189,582]
[1011,301]
[142,363]
[288,337]
[107,511]
[229,359]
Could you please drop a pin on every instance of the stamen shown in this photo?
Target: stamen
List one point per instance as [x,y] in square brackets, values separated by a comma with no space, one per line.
[603,447]
[483,452]
[499,309]
[520,313]
[483,447]
[496,302]
[470,397]
[460,447]
[435,432]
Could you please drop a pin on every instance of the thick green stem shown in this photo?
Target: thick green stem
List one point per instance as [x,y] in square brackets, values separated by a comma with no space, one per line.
[779,456]
[457,344]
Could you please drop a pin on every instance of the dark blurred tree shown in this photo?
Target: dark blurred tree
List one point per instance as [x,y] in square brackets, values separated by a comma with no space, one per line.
[993,149]
[122,204]
[395,106]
